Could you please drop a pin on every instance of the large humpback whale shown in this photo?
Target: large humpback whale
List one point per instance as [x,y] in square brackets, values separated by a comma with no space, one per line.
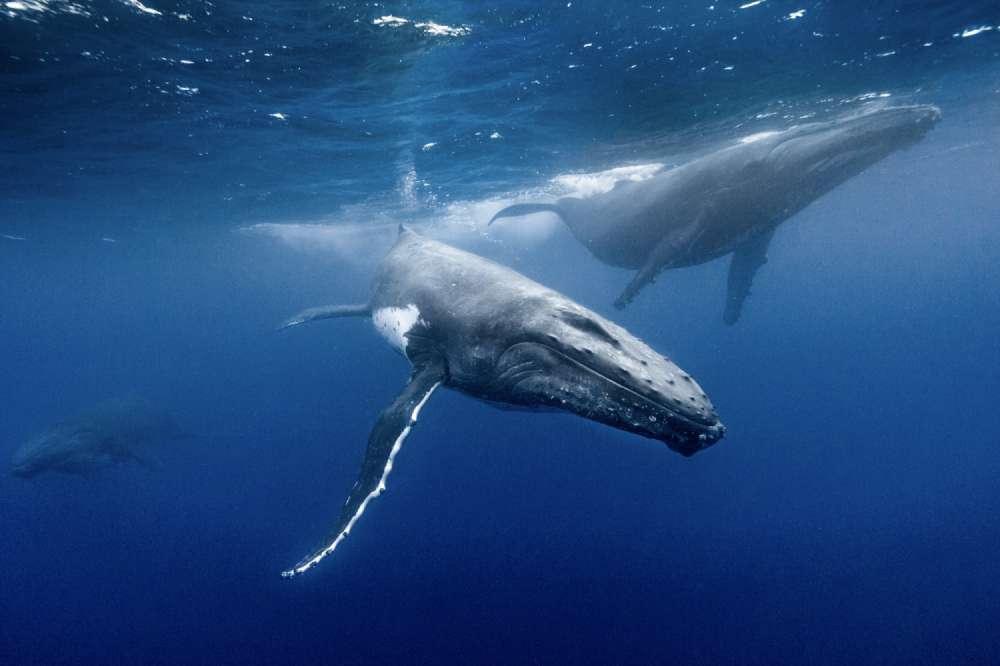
[730,201]
[111,432]
[480,328]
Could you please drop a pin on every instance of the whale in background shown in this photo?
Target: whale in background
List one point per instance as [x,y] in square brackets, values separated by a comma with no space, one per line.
[109,433]
[732,200]
[477,327]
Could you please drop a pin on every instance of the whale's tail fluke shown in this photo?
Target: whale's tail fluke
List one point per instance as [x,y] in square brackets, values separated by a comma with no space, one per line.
[526,209]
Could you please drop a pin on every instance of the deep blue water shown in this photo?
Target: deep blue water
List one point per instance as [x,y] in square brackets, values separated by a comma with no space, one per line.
[178,179]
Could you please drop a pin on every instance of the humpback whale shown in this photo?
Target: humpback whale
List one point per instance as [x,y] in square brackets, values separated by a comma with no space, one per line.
[731,200]
[111,432]
[475,326]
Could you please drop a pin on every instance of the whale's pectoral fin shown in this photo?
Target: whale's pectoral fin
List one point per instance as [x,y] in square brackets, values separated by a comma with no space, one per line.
[746,261]
[384,442]
[327,312]
[669,249]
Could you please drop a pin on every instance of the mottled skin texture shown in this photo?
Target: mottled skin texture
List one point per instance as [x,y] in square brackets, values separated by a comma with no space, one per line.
[111,432]
[730,200]
[491,333]
[508,339]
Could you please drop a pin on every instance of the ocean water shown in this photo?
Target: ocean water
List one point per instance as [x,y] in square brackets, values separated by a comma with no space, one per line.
[179,177]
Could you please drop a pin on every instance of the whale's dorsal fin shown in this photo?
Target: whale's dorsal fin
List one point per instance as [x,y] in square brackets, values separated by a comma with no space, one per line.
[526,209]
[327,312]
[746,261]
[384,442]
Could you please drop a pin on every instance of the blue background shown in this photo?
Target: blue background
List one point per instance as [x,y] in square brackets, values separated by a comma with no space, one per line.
[850,514]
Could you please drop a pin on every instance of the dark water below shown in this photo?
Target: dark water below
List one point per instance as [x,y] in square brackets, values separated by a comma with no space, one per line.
[151,152]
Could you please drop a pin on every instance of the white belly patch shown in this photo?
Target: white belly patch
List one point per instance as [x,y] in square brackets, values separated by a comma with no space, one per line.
[394,323]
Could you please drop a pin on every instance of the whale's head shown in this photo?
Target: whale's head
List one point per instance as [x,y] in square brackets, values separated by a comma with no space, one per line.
[569,358]
[34,457]
[62,449]
[817,157]
[23,467]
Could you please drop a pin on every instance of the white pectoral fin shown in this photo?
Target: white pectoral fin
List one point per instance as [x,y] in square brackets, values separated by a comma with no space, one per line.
[326,312]
[746,261]
[384,442]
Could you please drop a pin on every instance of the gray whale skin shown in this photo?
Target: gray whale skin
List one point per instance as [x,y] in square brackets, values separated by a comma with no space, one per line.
[730,201]
[477,327]
[111,432]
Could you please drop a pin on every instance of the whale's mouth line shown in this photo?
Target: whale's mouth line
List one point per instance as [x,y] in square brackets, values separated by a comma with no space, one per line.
[677,419]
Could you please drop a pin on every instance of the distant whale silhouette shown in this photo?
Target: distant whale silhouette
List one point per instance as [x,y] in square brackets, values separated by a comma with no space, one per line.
[111,432]
[730,201]
[487,331]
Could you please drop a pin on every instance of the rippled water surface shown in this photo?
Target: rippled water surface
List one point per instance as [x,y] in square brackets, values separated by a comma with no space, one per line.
[181,176]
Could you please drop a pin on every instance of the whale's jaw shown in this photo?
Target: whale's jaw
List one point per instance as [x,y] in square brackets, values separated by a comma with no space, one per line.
[827,154]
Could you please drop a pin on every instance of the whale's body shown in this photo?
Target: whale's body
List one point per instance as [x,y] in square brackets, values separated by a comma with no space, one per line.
[111,432]
[477,327]
[731,200]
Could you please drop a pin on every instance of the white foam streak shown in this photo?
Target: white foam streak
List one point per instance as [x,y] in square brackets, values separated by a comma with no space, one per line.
[30,9]
[972,32]
[28,6]
[753,138]
[356,243]
[585,185]
[143,8]
[390,20]
[427,27]
[360,235]
[437,29]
